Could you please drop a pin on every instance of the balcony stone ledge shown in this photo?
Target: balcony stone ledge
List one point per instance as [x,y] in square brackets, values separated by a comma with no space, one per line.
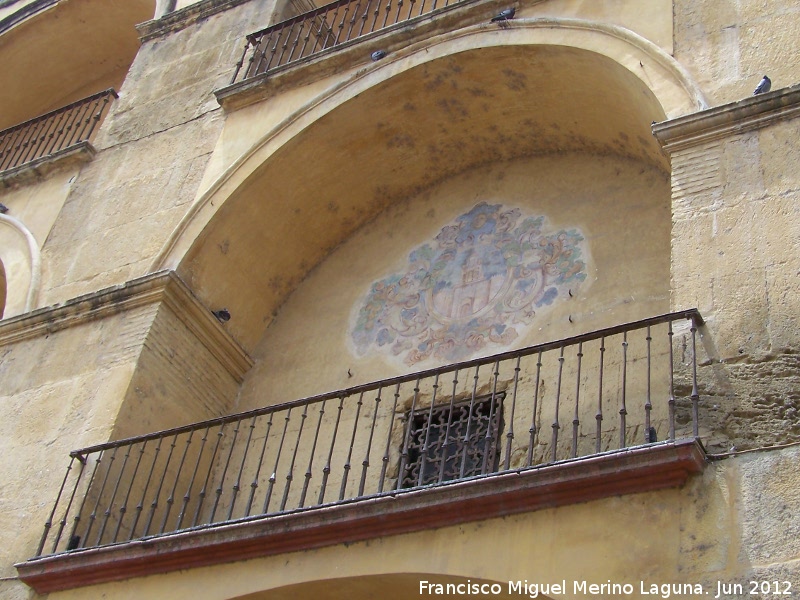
[39,168]
[628,471]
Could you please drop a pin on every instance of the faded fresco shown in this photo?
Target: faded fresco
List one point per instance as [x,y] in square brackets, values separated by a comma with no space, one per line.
[476,286]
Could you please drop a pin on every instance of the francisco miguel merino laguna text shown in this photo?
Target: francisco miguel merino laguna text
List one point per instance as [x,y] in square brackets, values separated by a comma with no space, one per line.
[534,590]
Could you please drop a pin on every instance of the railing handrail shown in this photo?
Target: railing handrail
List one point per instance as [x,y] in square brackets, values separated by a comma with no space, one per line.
[57,111]
[692,314]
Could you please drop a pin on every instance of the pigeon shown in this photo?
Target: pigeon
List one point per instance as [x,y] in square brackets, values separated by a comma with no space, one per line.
[651,435]
[223,316]
[505,15]
[763,86]
[3,208]
[377,55]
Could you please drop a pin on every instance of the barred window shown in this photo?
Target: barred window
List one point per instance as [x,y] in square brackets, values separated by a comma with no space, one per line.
[465,440]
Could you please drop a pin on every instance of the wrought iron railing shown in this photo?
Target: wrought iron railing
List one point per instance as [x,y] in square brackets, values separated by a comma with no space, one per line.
[326,27]
[623,386]
[54,131]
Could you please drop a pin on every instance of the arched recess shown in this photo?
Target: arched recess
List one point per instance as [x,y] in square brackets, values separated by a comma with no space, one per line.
[469,98]
[90,45]
[394,586]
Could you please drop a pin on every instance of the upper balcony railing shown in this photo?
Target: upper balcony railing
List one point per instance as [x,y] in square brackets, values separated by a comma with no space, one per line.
[326,27]
[599,392]
[53,132]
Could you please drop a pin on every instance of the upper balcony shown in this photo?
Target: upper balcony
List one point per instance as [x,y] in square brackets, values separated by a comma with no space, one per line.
[39,143]
[609,412]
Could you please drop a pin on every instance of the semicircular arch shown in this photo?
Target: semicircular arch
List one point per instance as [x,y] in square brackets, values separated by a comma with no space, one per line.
[595,69]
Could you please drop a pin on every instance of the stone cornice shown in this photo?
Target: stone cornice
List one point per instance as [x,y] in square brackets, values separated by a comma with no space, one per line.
[729,119]
[184,17]
[162,287]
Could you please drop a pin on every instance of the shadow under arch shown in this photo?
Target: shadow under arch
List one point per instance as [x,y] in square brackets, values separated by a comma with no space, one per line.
[387,133]
[394,586]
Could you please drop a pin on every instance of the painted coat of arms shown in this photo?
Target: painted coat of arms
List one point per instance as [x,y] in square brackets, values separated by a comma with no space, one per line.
[480,280]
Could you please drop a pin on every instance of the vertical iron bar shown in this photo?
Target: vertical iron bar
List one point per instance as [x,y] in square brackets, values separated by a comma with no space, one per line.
[623,411]
[93,515]
[444,443]
[98,115]
[463,468]
[326,470]
[63,522]
[290,473]
[346,473]
[90,113]
[54,133]
[386,14]
[353,19]
[510,434]
[309,471]
[599,416]
[76,519]
[254,483]
[240,64]
[30,142]
[409,425]
[490,433]
[154,503]
[49,523]
[296,40]
[365,462]
[532,430]
[426,445]
[575,417]
[671,400]
[695,391]
[140,505]
[224,474]
[556,426]
[171,497]
[336,40]
[124,508]
[237,484]
[648,405]
[385,459]
[201,496]
[13,148]
[188,495]
[274,474]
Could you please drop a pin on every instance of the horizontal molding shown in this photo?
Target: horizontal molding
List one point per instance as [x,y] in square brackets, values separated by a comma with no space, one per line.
[640,469]
[184,17]
[37,169]
[161,287]
[729,119]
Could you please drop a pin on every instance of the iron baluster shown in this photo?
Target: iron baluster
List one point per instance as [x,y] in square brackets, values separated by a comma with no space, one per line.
[201,496]
[401,473]
[510,433]
[623,411]
[290,472]
[385,458]
[326,470]
[154,503]
[93,514]
[74,538]
[599,416]
[188,495]
[337,40]
[273,477]
[140,505]
[346,473]
[463,468]
[575,417]
[426,445]
[224,474]
[124,508]
[556,426]
[309,472]
[671,401]
[356,11]
[171,497]
[533,429]
[49,523]
[648,405]
[490,433]
[254,483]
[365,462]
[240,64]
[695,392]
[238,483]
[445,443]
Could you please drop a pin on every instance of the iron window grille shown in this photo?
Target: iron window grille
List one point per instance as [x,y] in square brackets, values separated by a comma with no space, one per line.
[452,441]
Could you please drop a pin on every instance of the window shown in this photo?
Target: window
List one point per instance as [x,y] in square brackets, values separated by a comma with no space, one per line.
[444,444]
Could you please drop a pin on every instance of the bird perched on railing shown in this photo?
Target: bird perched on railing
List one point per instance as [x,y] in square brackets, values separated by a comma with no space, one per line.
[763,86]
[504,15]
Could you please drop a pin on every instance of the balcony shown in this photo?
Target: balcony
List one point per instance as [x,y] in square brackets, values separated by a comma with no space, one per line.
[58,134]
[604,413]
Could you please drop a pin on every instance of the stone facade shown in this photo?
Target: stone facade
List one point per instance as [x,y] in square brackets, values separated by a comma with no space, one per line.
[305,201]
